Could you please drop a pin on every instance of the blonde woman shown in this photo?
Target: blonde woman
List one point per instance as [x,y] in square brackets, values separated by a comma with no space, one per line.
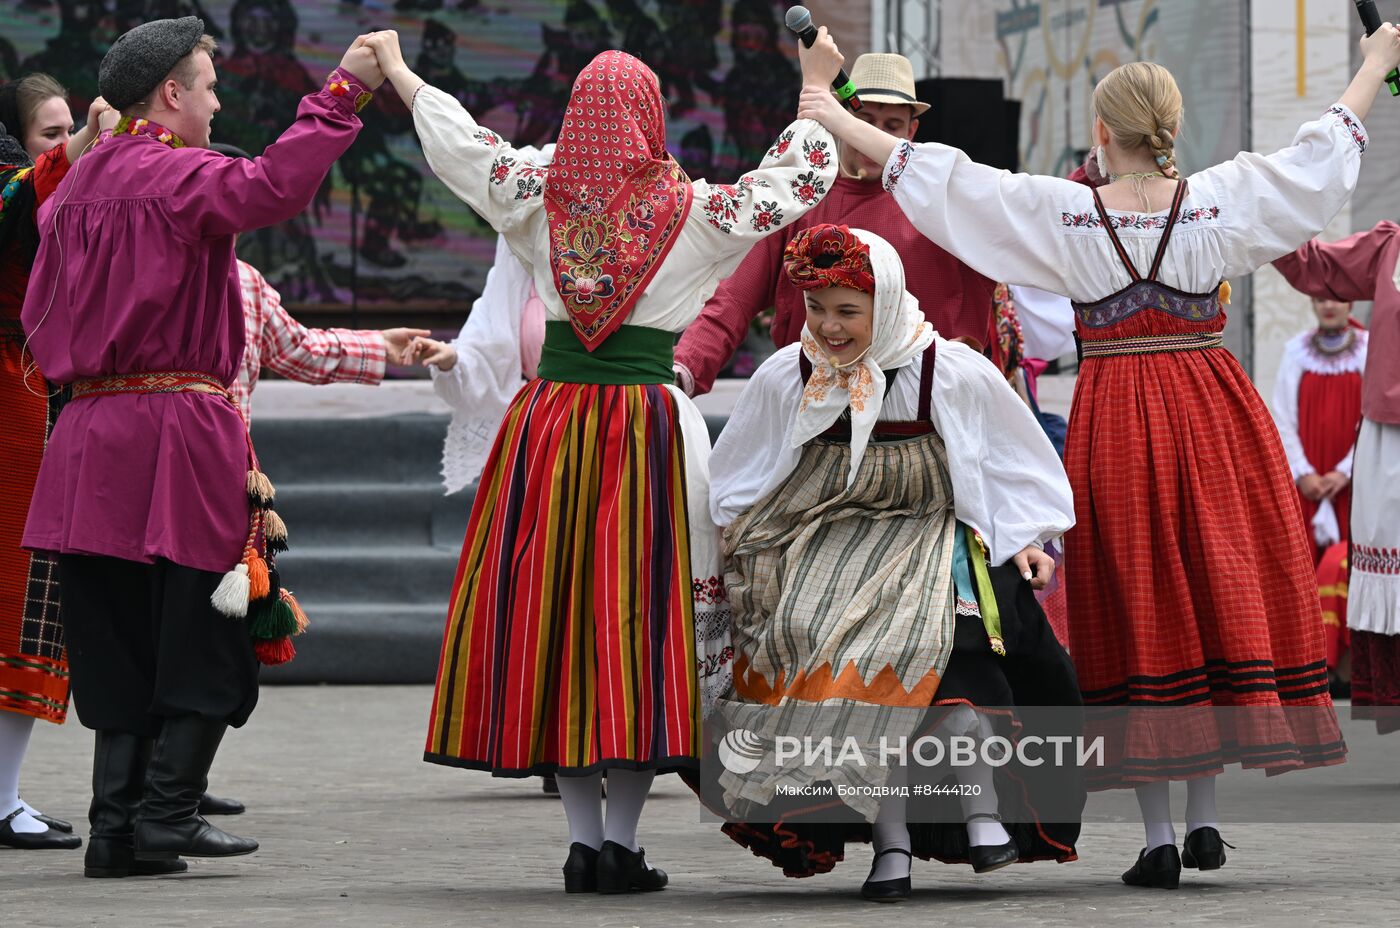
[1190,581]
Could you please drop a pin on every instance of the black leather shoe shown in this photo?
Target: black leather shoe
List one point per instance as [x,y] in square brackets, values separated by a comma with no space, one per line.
[1204,849]
[169,824]
[1160,869]
[106,859]
[49,840]
[624,871]
[57,824]
[213,805]
[581,869]
[988,857]
[896,890]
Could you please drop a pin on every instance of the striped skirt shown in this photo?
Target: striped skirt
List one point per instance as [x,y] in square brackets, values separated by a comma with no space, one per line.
[571,639]
[33,662]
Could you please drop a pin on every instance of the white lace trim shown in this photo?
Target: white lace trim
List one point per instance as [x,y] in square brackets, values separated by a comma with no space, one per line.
[1301,352]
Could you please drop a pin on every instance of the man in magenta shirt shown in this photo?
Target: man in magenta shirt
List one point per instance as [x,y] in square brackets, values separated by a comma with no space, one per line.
[955,298]
[142,494]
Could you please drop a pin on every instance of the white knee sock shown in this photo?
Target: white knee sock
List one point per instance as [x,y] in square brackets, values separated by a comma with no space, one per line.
[981,832]
[1155,801]
[14,742]
[583,805]
[1200,804]
[891,831]
[627,794]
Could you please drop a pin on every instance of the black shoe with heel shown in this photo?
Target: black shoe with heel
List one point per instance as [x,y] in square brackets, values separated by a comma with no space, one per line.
[1204,849]
[581,869]
[988,857]
[896,890]
[623,871]
[1160,868]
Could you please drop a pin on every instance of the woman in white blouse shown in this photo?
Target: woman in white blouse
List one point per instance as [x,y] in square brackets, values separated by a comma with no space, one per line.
[1190,581]
[587,621]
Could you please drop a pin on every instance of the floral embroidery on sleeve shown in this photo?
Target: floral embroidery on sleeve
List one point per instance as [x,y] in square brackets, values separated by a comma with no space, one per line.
[766,216]
[780,147]
[487,137]
[1358,132]
[500,169]
[808,188]
[722,207]
[898,162]
[818,153]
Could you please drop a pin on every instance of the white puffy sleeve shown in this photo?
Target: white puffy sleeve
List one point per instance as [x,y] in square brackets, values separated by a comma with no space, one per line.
[995,222]
[793,177]
[1008,483]
[1047,322]
[487,375]
[754,454]
[1272,204]
[503,185]
[1290,377]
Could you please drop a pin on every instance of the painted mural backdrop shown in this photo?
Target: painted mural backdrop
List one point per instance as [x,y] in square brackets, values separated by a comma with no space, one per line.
[382,231]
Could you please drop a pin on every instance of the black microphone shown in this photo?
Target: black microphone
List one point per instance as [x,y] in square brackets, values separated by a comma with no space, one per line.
[799,20]
[1371,21]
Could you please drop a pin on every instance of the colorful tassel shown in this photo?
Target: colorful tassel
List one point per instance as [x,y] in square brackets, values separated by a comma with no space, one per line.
[274,531]
[231,597]
[260,490]
[272,620]
[274,652]
[297,613]
[258,583]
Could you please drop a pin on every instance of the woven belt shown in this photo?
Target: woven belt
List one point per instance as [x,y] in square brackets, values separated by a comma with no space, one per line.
[1151,344]
[152,382]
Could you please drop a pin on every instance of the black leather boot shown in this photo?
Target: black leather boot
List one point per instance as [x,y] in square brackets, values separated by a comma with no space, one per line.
[169,823]
[118,776]
[213,805]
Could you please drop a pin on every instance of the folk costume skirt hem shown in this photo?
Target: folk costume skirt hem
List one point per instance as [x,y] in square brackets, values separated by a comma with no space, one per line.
[570,641]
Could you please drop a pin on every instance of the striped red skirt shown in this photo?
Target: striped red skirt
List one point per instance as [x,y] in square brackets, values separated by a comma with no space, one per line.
[33,663]
[570,643]
[1189,576]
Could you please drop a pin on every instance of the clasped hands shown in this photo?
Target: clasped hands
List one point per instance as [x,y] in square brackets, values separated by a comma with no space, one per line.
[373,57]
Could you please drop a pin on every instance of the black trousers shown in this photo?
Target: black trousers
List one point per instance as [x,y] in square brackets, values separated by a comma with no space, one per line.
[144,644]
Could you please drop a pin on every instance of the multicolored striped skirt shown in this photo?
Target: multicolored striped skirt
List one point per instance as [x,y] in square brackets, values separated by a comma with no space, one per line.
[571,640]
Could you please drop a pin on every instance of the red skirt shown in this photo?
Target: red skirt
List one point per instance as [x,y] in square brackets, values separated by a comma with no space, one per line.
[1190,580]
[33,663]
[1329,412]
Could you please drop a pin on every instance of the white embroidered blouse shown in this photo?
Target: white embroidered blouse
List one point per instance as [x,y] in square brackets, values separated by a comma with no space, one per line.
[507,190]
[1008,483]
[1045,232]
[1300,357]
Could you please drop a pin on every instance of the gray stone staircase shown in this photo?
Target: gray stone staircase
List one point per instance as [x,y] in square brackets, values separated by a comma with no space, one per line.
[374,543]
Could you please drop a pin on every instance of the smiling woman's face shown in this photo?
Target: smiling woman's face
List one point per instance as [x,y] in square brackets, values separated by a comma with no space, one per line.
[842,321]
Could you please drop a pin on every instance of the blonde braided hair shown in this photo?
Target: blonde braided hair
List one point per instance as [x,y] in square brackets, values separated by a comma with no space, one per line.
[1140,104]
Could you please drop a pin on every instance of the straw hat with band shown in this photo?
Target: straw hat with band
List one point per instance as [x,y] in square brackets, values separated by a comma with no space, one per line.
[881,77]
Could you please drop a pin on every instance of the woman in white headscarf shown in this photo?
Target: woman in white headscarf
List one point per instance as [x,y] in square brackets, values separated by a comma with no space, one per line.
[860,468]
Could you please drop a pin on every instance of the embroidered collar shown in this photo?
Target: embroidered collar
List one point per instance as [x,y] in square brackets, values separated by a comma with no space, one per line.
[135,125]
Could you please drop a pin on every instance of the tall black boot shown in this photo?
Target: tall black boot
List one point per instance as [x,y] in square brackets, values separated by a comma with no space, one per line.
[118,776]
[169,823]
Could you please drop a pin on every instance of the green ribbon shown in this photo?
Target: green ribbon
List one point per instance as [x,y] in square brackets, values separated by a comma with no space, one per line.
[986,596]
[633,354]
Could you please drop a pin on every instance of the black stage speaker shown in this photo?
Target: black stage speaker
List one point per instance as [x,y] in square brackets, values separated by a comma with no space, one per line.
[971,114]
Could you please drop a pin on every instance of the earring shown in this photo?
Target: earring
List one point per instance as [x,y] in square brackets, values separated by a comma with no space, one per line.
[1102,162]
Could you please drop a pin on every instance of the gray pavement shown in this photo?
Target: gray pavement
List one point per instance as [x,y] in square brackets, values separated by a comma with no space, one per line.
[357,831]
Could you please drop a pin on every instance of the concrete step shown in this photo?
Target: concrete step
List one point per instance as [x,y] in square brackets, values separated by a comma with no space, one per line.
[389,574]
[405,449]
[373,514]
[366,642]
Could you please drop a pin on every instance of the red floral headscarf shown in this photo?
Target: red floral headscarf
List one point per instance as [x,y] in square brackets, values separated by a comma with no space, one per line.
[615,198]
[829,255]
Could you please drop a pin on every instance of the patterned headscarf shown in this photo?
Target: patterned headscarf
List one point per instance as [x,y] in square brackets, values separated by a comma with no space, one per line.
[829,256]
[615,198]
[899,334]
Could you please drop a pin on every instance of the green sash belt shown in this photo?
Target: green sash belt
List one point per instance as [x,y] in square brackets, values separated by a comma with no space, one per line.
[634,354]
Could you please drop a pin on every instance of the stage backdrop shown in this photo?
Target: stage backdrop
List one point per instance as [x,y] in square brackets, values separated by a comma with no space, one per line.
[383,235]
